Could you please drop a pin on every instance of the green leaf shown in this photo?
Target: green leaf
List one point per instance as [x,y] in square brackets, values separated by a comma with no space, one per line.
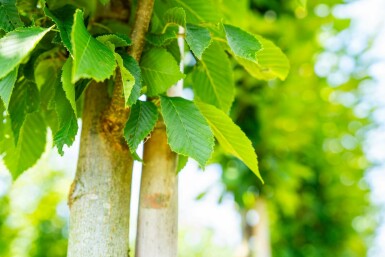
[92,59]
[6,86]
[175,16]
[142,120]
[182,161]
[118,40]
[199,11]
[187,130]
[242,44]
[104,2]
[68,125]
[25,99]
[16,46]
[232,139]
[68,86]
[271,62]
[198,38]
[9,17]
[162,39]
[64,19]
[128,80]
[213,80]
[29,148]
[133,67]
[159,70]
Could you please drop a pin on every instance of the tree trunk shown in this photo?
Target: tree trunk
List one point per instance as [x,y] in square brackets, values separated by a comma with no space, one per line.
[100,194]
[157,232]
[261,232]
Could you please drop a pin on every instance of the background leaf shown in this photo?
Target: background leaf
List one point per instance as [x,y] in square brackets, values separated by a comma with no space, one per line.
[133,67]
[232,139]
[9,17]
[187,130]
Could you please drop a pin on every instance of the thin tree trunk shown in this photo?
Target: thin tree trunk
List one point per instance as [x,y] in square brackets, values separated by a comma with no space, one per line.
[157,232]
[261,232]
[100,194]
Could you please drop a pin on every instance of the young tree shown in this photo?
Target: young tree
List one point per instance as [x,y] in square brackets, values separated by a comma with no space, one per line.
[61,60]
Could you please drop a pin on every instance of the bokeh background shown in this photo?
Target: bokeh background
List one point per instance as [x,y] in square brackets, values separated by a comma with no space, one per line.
[319,136]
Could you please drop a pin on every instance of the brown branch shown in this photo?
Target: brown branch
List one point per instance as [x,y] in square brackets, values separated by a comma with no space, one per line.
[116,115]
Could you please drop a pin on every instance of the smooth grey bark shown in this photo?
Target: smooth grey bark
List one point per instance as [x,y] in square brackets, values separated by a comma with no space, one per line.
[100,194]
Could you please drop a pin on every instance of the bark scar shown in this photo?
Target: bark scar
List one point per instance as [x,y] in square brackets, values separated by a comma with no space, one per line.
[156,201]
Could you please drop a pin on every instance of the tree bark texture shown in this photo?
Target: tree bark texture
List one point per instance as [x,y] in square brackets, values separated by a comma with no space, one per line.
[100,194]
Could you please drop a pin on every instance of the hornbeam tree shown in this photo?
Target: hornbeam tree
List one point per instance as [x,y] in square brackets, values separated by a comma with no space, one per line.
[61,60]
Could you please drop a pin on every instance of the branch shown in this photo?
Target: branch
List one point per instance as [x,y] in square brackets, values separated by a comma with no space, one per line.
[116,115]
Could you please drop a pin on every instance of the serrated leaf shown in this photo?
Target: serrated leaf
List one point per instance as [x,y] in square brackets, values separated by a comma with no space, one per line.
[187,130]
[25,99]
[159,70]
[133,67]
[118,40]
[92,59]
[9,17]
[64,19]
[182,161]
[232,139]
[271,62]
[213,80]
[6,86]
[198,38]
[68,86]
[128,80]
[175,16]
[142,120]
[29,148]
[242,43]
[162,39]
[199,11]
[68,125]
[16,45]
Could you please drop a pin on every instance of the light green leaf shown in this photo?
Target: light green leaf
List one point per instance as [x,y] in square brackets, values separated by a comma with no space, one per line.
[163,39]
[142,120]
[133,67]
[68,125]
[104,2]
[30,146]
[242,43]
[271,62]
[118,40]
[159,70]
[64,19]
[9,17]
[68,86]
[198,38]
[175,16]
[25,99]
[92,59]
[199,11]
[128,80]
[182,161]
[16,46]
[187,130]
[232,139]
[6,86]
[213,80]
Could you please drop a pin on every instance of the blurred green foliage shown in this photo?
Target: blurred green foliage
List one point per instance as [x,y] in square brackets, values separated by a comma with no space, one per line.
[307,137]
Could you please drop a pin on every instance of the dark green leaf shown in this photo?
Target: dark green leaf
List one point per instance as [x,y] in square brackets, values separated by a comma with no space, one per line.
[118,40]
[64,19]
[6,86]
[187,130]
[9,17]
[142,120]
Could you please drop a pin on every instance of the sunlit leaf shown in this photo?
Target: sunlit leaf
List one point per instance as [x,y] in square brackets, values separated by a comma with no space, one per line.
[198,38]
[6,86]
